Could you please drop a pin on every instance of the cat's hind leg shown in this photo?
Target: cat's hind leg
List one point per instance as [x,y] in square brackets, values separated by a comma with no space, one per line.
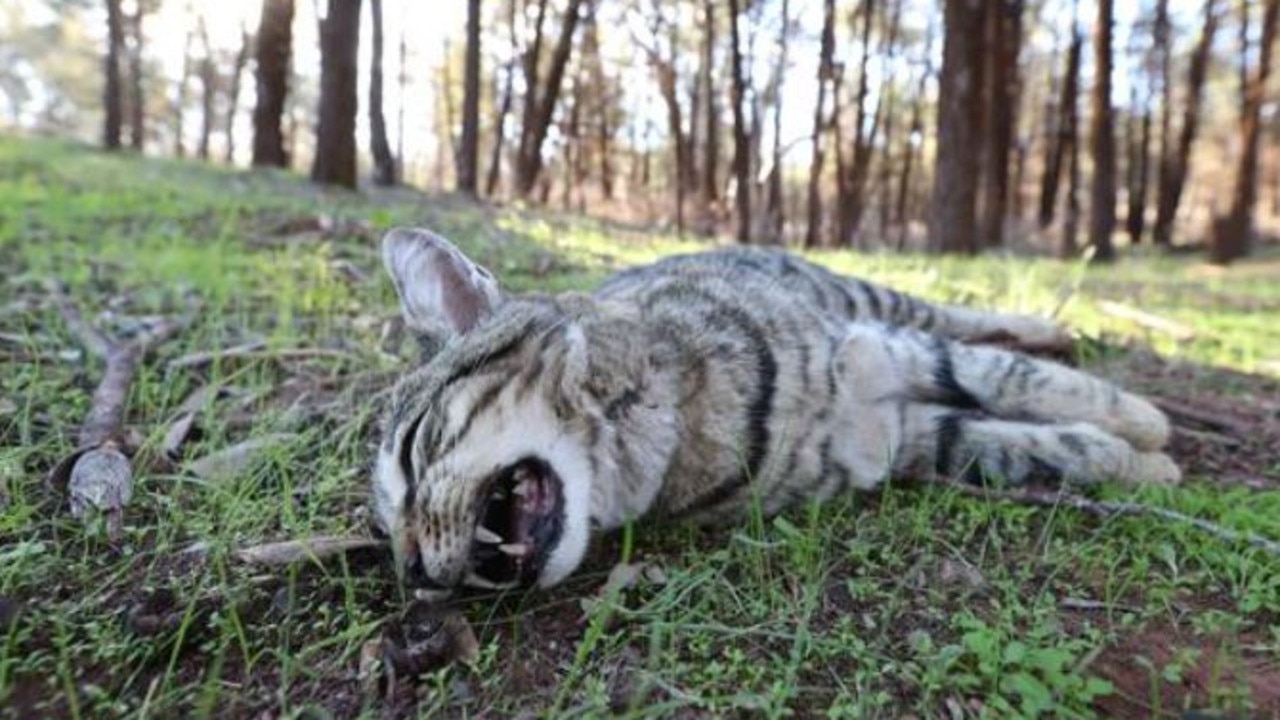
[1013,386]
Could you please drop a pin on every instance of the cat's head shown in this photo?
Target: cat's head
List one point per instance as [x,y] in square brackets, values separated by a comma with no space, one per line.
[483,475]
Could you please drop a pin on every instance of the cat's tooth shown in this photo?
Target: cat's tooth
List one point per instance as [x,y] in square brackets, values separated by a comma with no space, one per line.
[515,549]
[487,536]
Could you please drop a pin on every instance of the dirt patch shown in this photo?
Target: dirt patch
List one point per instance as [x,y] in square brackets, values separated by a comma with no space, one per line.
[1162,671]
[1226,423]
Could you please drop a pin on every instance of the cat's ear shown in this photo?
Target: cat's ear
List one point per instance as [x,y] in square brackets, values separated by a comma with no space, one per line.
[442,292]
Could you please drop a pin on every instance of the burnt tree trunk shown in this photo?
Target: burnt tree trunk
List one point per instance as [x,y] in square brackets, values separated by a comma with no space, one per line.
[384,164]
[112,102]
[469,147]
[504,108]
[335,161]
[711,146]
[207,72]
[952,226]
[274,47]
[137,94]
[1060,145]
[1102,200]
[1175,164]
[541,99]
[1232,235]
[821,123]
[1004,32]
[741,138]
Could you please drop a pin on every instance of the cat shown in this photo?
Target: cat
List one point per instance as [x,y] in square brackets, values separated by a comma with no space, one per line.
[698,387]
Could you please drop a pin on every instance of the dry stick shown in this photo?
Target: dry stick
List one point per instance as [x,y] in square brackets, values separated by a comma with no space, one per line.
[99,471]
[1182,414]
[1109,508]
[1150,321]
[255,351]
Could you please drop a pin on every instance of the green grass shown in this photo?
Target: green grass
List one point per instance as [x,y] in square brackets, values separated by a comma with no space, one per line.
[909,601]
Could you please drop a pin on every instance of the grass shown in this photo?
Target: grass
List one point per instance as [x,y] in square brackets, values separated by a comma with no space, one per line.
[910,601]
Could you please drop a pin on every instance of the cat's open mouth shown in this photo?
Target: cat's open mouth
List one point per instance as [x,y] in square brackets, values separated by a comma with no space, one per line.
[519,526]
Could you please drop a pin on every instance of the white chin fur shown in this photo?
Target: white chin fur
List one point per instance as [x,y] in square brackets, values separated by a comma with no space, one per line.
[575,477]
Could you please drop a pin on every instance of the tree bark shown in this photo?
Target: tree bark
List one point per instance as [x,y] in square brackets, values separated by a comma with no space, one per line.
[851,177]
[741,139]
[1102,203]
[335,161]
[1004,31]
[543,99]
[826,72]
[111,95]
[711,146]
[504,109]
[1065,130]
[208,74]
[469,148]
[952,226]
[1175,165]
[233,94]
[1232,235]
[180,103]
[137,93]
[1139,170]
[274,47]
[384,164]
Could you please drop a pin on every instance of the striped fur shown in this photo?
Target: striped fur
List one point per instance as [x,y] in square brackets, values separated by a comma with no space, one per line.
[702,384]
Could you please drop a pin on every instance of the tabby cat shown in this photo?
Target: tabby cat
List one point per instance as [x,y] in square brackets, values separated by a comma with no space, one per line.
[696,387]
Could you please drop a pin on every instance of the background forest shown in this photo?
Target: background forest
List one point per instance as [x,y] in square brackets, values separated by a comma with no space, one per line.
[953,127]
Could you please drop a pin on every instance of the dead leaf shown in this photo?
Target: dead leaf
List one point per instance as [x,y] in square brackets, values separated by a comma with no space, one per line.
[182,429]
[231,461]
[426,637]
[319,547]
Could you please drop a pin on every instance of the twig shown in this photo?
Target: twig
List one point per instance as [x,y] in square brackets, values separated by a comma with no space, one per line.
[1172,328]
[255,351]
[1109,508]
[1182,414]
[99,473]
[89,336]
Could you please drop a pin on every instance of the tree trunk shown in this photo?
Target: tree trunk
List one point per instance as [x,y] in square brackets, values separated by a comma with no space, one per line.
[274,47]
[852,178]
[1004,30]
[1139,170]
[469,148]
[1071,223]
[233,99]
[137,93]
[1060,145]
[384,165]
[1175,165]
[776,220]
[711,147]
[741,139]
[952,226]
[1102,202]
[335,161]
[1232,235]
[543,99]
[180,103]
[910,150]
[826,73]
[111,95]
[504,109]
[208,74]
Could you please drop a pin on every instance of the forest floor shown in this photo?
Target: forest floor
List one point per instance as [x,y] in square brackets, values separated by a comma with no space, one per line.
[913,601]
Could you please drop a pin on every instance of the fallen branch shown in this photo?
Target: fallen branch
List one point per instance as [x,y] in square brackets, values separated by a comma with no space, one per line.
[1183,414]
[1110,508]
[314,548]
[256,351]
[99,473]
[1142,318]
